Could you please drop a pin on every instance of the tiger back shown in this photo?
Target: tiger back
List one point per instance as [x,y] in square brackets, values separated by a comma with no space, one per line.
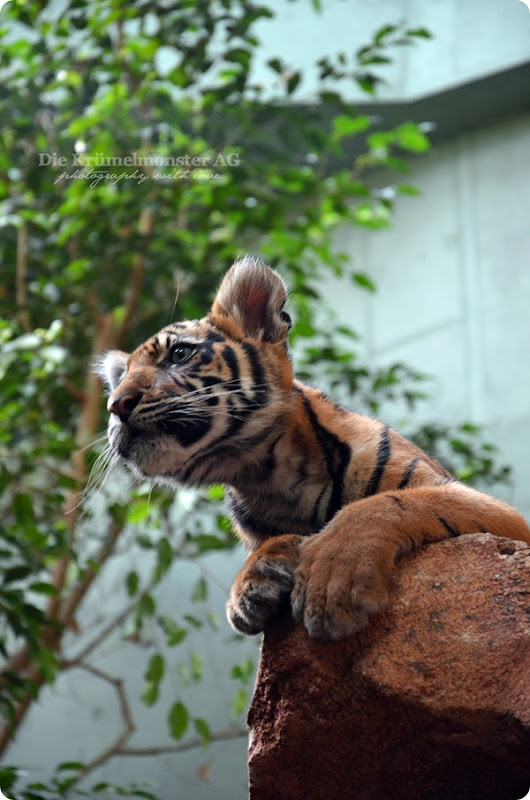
[324,499]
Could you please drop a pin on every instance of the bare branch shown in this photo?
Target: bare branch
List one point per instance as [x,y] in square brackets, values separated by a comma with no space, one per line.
[117,748]
[21,276]
[126,716]
[102,635]
[69,605]
[145,228]
[191,744]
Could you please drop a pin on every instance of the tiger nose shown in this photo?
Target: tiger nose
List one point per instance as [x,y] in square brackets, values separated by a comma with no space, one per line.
[124,405]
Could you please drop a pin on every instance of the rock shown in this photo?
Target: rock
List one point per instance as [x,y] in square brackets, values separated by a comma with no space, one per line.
[430,702]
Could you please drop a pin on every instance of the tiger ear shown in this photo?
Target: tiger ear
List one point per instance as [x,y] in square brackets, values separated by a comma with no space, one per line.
[253,295]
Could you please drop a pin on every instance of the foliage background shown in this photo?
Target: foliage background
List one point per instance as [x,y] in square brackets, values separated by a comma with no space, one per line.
[91,261]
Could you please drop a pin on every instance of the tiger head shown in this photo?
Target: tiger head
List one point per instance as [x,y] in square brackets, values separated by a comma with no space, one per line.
[201,400]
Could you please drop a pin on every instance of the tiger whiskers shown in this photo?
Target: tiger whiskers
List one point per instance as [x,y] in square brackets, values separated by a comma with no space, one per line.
[101,469]
[207,391]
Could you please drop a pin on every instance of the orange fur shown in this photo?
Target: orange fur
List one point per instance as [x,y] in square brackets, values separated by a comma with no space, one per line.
[325,499]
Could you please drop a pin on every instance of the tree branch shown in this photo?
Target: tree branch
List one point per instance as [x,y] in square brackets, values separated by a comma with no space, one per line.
[126,716]
[69,605]
[145,228]
[21,276]
[191,744]
[117,748]
[102,635]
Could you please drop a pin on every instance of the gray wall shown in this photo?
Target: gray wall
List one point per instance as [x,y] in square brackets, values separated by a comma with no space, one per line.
[472,39]
[454,278]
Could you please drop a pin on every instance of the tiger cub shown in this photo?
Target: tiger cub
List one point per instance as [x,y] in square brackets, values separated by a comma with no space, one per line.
[324,499]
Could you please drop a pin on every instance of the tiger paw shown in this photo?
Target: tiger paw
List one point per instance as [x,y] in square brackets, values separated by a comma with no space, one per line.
[336,590]
[264,585]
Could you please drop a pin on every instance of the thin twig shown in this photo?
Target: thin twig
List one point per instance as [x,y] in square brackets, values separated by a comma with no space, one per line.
[102,635]
[191,744]
[69,605]
[126,715]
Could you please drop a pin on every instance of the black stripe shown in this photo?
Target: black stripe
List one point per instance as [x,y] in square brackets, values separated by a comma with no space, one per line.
[214,336]
[218,449]
[229,357]
[316,516]
[449,528]
[236,422]
[258,376]
[251,524]
[383,454]
[187,430]
[182,383]
[396,500]
[407,475]
[337,455]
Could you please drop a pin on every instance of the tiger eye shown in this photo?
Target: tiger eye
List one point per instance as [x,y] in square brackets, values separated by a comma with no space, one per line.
[182,353]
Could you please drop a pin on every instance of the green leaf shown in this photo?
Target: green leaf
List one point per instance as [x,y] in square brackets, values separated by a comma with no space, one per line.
[150,693]
[17,573]
[239,55]
[383,32]
[203,730]
[349,125]
[155,668]
[70,765]
[276,65]
[364,281]
[293,81]
[164,559]
[200,591]
[23,508]
[145,607]
[409,136]
[213,619]
[367,82]
[193,621]
[469,427]
[8,777]
[178,720]
[243,672]
[423,33]
[132,582]
[239,703]
[196,667]
[174,633]
[40,587]
[140,511]
[406,188]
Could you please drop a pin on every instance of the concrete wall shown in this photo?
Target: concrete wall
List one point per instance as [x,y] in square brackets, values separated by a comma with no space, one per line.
[472,39]
[454,288]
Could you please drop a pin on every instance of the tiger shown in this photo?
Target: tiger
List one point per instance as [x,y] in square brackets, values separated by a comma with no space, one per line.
[324,499]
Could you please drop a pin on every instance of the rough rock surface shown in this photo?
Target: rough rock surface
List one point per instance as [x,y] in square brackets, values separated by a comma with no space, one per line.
[430,702]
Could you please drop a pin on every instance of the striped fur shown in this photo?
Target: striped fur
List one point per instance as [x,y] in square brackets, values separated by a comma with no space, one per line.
[215,401]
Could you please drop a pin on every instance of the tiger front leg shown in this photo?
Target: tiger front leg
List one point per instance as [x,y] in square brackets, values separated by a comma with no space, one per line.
[344,572]
[342,580]
[263,587]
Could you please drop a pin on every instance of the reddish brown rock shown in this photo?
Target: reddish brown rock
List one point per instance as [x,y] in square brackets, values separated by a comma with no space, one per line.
[431,702]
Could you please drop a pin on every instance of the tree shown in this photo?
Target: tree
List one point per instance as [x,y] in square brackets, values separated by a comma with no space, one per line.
[139,158]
